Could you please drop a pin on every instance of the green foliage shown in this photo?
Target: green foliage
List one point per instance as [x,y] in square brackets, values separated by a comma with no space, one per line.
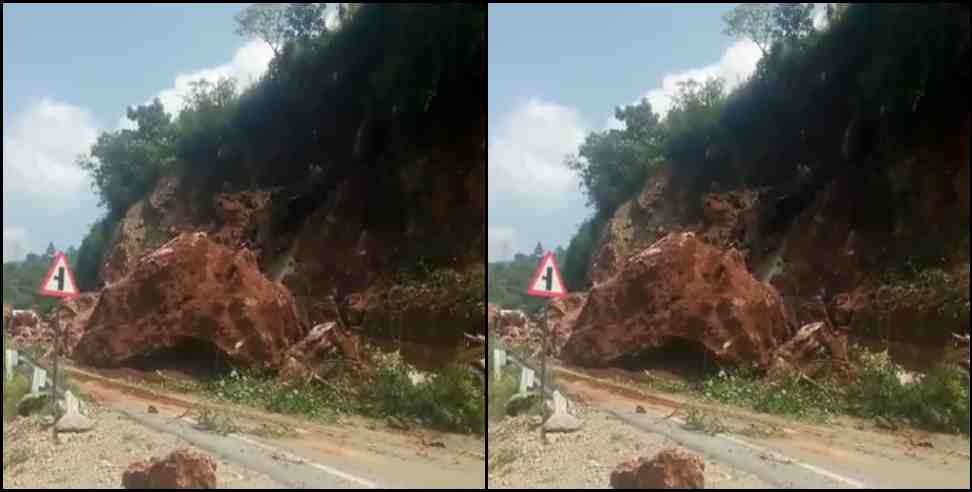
[280,23]
[766,23]
[698,421]
[507,283]
[451,400]
[789,397]
[22,280]
[939,402]
[90,256]
[614,164]
[258,389]
[577,260]
[13,392]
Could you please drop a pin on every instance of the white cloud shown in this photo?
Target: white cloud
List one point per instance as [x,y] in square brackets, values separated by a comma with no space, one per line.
[736,65]
[526,158]
[16,243]
[40,148]
[500,243]
[247,66]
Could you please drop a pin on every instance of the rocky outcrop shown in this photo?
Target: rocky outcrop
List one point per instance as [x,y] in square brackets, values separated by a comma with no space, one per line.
[671,469]
[183,469]
[74,315]
[680,289]
[562,314]
[192,290]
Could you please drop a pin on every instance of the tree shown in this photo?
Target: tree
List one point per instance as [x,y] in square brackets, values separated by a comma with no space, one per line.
[753,21]
[538,251]
[766,23]
[124,165]
[51,251]
[280,23]
[614,164]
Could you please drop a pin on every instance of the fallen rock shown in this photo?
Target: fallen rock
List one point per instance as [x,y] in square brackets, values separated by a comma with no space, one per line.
[74,315]
[562,314]
[805,352]
[192,292]
[680,289]
[74,422]
[561,420]
[521,403]
[671,469]
[183,469]
[26,328]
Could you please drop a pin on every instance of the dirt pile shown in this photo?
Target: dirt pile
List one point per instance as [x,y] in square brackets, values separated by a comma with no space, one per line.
[671,469]
[680,289]
[27,329]
[182,469]
[192,292]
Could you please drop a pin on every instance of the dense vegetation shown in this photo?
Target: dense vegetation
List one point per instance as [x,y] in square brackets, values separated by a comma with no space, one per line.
[366,97]
[877,80]
[22,279]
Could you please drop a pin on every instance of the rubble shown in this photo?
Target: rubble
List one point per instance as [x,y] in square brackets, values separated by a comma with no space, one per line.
[183,469]
[670,469]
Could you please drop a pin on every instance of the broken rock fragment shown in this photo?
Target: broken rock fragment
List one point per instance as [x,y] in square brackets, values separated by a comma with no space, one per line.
[183,469]
[671,469]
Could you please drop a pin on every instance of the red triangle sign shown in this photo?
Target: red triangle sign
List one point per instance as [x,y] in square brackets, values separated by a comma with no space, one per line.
[59,281]
[548,282]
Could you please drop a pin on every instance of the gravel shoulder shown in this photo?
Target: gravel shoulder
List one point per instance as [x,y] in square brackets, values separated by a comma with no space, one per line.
[584,459]
[97,459]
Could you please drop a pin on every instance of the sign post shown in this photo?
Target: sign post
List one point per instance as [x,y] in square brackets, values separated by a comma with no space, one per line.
[547,282]
[59,283]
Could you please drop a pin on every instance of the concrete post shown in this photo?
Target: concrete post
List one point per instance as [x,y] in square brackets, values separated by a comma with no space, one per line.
[39,380]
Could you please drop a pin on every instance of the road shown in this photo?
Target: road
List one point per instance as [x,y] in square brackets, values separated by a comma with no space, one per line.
[354,454]
[847,454]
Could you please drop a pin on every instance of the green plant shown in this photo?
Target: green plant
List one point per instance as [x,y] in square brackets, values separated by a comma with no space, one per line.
[502,459]
[217,422]
[13,392]
[698,421]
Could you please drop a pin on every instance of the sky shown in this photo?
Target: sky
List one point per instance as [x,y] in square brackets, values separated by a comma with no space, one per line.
[70,71]
[556,73]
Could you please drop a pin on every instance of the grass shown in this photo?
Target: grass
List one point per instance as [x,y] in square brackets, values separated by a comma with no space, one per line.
[13,392]
[275,431]
[16,458]
[217,423]
[938,403]
[451,400]
[503,458]
[698,421]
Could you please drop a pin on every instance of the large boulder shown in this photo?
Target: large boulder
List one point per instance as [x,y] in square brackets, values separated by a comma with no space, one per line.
[192,291]
[671,469]
[183,469]
[325,345]
[513,318]
[680,289]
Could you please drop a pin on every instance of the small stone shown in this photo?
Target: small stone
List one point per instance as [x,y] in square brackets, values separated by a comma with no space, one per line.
[640,409]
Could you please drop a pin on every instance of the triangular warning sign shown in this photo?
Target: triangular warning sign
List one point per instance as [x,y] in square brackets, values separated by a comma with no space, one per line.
[59,281]
[547,282]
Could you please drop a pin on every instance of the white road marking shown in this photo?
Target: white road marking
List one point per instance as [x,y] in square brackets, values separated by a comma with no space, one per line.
[820,471]
[298,459]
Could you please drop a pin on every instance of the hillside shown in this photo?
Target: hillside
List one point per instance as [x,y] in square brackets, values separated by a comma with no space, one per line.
[839,171]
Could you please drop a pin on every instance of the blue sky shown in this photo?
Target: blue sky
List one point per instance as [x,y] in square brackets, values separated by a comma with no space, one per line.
[69,72]
[556,72]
